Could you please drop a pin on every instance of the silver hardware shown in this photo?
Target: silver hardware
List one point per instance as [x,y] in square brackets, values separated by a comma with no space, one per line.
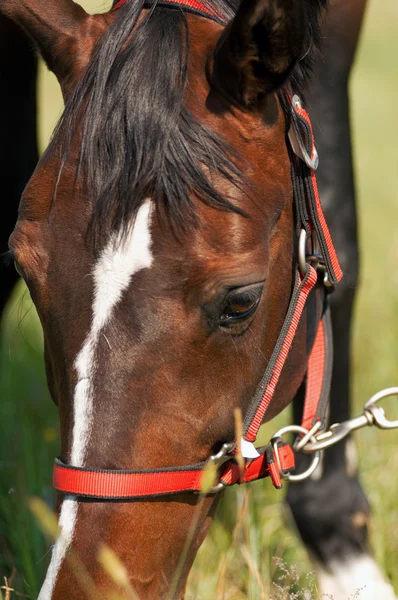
[313,442]
[315,461]
[314,258]
[299,444]
[296,102]
[297,144]
[222,456]
[372,415]
[302,252]
[377,412]
[326,281]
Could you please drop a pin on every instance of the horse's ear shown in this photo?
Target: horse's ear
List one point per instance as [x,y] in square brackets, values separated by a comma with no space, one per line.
[63,32]
[259,48]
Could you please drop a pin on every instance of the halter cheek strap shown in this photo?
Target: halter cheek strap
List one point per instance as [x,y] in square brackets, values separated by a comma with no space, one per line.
[277,459]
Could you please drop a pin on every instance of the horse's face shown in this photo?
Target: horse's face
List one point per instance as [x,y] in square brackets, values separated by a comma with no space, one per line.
[152,339]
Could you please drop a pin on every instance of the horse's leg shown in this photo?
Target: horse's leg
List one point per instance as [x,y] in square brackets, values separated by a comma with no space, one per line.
[331,513]
[18,148]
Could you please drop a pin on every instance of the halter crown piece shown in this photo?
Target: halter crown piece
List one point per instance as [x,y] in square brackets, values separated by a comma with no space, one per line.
[277,459]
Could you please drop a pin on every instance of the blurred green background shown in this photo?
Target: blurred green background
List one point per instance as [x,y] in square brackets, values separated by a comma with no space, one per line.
[29,421]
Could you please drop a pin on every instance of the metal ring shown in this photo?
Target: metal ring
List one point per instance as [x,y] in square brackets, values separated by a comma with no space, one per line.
[306,438]
[315,461]
[302,252]
[317,260]
[378,412]
[222,456]
[297,143]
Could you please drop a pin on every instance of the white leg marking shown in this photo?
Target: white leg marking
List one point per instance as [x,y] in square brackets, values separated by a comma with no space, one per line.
[112,275]
[357,577]
[67,522]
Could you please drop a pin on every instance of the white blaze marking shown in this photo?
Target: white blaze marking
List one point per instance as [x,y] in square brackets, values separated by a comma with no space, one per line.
[67,522]
[112,275]
[357,577]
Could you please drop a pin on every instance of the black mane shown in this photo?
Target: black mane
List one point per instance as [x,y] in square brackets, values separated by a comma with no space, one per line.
[137,137]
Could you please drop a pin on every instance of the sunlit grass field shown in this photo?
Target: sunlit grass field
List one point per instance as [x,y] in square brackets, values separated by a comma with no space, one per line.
[239,566]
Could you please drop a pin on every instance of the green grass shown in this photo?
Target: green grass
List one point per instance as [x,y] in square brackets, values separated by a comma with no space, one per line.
[243,562]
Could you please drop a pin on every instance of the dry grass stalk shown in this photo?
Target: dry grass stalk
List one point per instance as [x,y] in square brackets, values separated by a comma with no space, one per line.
[238,436]
[8,589]
[221,579]
[254,571]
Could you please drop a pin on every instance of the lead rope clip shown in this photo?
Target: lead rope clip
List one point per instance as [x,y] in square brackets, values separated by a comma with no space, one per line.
[372,415]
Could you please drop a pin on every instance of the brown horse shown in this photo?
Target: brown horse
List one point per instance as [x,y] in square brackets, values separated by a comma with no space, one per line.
[157,237]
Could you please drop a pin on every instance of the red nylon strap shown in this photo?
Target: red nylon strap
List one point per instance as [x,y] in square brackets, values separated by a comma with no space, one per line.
[190,4]
[303,113]
[337,272]
[315,375]
[264,466]
[319,375]
[123,485]
[307,285]
[325,229]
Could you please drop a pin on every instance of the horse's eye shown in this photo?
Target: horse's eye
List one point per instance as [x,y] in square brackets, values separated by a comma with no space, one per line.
[240,304]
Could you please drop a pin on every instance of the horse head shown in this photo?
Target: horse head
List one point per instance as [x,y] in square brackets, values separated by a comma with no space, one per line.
[157,237]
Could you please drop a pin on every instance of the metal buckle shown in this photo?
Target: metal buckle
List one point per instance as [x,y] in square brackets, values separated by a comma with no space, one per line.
[314,257]
[218,460]
[372,415]
[315,461]
[296,142]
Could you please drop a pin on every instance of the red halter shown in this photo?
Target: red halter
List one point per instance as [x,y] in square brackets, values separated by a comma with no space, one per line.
[276,460]
[187,5]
